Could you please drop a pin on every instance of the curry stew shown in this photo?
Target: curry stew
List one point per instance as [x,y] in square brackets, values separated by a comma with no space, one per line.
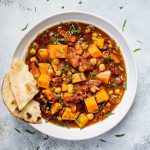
[80,71]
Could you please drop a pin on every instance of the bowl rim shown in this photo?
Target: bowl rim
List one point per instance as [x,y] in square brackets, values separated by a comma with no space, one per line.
[124,40]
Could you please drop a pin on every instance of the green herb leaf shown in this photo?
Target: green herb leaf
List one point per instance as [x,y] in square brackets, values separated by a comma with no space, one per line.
[139,41]
[120,68]
[62,7]
[25,27]
[109,114]
[120,135]
[121,7]
[74,91]
[62,51]
[102,140]
[124,24]
[114,84]
[73,30]
[17,130]
[70,77]
[80,2]
[46,137]
[55,39]
[31,132]
[68,124]
[137,49]
[124,85]
[91,74]
[107,60]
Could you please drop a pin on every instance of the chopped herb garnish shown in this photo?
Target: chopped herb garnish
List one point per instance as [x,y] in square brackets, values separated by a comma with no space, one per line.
[74,91]
[121,7]
[17,130]
[46,137]
[137,49]
[139,41]
[120,68]
[109,114]
[120,135]
[124,85]
[114,84]
[55,39]
[70,77]
[25,27]
[124,24]
[73,30]
[68,124]
[102,140]
[91,74]
[102,105]
[62,7]
[107,60]
[62,51]
[31,132]
[47,120]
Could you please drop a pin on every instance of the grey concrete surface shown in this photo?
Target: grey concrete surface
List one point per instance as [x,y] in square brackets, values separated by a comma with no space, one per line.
[15,14]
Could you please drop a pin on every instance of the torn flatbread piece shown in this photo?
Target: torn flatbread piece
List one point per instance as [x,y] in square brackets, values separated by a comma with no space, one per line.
[31,113]
[22,82]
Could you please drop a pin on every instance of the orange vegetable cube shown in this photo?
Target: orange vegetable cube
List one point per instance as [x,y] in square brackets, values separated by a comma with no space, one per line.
[78,77]
[102,96]
[48,93]
[68,115]
[43,81]
[43,67]
[43,54]
[98,41]
[115,58]
[82,120]
[64,87]
[104,76]
[91,104]
[55,108]
[57,51]
[94,51]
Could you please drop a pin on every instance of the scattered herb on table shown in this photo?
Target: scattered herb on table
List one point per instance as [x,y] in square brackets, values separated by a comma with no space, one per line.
[17,130]
[38,148]
[35,9]
[31,132]
[137,49]
[62,7]
[120,68]
[124,24]
[46,137]
[25,27]
[120,135]
[121,7]
[102,140]
[109,114]
[80,2]
[139,41]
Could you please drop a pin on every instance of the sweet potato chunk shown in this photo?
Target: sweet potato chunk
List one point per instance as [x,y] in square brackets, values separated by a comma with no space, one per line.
[102,96]
[94,51]
[91,104]
[115,58]
[43,67]
[64,87]
[43,81]
[104,76]
[57,51]
[82,120]
[78,77]
[48,93]
[98,41]
[55,108]
[43,54]
[68,115]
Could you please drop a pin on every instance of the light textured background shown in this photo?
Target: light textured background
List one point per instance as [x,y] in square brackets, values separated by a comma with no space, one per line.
[15,14]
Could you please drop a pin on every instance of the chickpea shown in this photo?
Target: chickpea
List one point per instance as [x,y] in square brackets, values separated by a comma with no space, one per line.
[95,34]
[102,67]
[88,30]
[41,96]
[90,116]
[58,73]
[94,88]
[108,105]
[32,51]
[93,61]
[117,91]
[50,70]
[58,90]
[110,45]
[81,69]
[56,61]
[59,118]
[110,92]
[32,59]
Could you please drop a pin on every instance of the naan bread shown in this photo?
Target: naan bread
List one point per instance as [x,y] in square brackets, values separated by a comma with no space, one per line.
[31,113]
[22,82]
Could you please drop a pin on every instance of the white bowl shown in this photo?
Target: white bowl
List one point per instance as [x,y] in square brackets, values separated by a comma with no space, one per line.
[127,100]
